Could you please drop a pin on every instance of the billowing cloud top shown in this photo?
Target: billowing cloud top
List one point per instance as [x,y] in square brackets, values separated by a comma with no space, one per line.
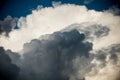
[51,19]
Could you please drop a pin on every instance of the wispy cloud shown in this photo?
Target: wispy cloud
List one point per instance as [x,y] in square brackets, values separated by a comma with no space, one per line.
[87,1]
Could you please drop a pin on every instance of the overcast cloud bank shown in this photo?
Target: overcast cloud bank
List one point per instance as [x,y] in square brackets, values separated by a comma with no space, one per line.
[67,40]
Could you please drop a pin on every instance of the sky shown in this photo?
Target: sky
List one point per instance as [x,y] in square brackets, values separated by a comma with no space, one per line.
[18,8]
[59,40]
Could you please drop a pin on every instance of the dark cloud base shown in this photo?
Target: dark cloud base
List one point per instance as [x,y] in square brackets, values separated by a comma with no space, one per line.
[52,58]
[8,71]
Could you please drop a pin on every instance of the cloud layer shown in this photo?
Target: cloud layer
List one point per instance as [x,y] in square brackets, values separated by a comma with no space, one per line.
[68,41]
[65,56]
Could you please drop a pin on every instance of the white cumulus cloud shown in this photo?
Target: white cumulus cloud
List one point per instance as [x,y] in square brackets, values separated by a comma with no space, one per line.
[48,20]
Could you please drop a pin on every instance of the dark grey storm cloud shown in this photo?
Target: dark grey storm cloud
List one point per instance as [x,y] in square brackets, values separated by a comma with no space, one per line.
[52,58]
[8,71]
[7,25]
[58,57]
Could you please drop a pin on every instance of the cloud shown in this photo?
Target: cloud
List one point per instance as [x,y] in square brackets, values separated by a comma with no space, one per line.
[7,25]
[88,1]
[8,71]
[105,60]
[49,20]
[100,28]
[53,58]
[55,4]
[114,10]
[64,55]
[91,31]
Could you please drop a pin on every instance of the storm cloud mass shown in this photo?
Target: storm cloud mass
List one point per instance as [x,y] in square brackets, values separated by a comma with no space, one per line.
[65,56]
[63,42]
[53,58]
[8,70]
